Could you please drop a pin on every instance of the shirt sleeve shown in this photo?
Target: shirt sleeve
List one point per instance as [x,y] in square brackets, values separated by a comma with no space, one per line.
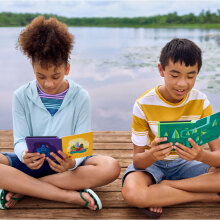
[20,127]
[140,127]
[83,124]
[207,108]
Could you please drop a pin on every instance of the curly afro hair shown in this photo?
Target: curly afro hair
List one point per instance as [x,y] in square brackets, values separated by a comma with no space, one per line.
[47,42]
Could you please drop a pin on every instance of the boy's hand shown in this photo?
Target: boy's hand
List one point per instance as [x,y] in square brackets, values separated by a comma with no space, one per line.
[33,160]
[65,162]
[186,153]
[159,152]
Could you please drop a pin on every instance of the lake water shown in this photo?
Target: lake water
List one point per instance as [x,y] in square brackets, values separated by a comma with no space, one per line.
[116,65]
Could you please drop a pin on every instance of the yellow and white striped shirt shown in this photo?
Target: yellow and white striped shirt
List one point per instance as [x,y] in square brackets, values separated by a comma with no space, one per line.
[151,107]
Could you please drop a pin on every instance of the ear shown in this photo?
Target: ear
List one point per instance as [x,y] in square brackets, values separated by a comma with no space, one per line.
[67,69]
[160,68]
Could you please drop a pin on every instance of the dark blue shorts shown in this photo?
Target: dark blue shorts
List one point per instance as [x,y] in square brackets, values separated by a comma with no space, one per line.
[45,170]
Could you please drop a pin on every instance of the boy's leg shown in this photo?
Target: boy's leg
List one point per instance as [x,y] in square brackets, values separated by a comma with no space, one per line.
[30,186]
[208,182]
[145,180]
[139,191]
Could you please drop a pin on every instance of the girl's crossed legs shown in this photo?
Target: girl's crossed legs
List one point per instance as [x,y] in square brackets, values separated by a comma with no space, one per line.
[95,171]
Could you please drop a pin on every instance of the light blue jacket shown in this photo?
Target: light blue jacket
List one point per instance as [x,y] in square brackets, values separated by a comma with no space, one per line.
[31,118]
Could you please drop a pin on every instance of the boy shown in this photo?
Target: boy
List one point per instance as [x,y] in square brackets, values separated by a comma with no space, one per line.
[187,174]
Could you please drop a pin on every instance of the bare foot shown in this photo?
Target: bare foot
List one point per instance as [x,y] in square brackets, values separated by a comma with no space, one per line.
[79,201]
[156,209]
[12,199]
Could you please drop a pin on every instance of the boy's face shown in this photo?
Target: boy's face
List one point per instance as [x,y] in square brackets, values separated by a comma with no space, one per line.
[179,79]
[51,80]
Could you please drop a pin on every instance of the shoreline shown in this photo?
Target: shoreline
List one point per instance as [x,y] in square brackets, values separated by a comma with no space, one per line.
[165,26]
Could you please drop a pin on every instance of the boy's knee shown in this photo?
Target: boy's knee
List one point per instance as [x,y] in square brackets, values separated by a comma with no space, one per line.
[128,191]
[135,196]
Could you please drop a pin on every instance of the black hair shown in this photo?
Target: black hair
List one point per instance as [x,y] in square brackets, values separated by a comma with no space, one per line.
[181,50]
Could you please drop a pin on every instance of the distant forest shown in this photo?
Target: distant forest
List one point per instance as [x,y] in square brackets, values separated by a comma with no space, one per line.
[205,19]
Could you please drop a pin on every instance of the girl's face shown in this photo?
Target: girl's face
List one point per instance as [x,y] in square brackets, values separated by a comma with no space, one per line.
[51,80]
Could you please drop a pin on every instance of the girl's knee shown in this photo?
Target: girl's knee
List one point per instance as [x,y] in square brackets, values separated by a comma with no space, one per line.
[3,159]
[112,168]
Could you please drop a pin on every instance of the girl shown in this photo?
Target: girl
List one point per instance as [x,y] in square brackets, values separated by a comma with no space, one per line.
[51,105]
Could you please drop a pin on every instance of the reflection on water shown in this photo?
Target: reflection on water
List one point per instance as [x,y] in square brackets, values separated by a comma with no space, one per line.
[116,65]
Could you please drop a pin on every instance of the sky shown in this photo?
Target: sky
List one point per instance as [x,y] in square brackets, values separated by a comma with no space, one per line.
[109,8]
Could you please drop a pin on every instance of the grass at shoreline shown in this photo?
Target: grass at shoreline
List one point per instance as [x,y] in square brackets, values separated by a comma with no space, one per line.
[186,26]
[205,20]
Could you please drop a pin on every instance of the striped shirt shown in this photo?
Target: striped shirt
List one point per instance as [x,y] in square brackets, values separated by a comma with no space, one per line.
[52,102]
[151,107]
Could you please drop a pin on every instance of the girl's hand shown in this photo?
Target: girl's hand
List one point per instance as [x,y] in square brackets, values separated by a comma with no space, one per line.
[159,152]
[33,160]
[186,153]
[64,163]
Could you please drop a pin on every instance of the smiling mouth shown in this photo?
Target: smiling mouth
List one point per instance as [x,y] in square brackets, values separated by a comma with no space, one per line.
[180,91]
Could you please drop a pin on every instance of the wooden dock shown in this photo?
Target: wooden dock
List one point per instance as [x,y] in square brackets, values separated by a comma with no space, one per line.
[118,145]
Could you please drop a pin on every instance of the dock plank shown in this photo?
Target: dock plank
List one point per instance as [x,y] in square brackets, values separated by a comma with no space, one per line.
[118,145]
[116,213]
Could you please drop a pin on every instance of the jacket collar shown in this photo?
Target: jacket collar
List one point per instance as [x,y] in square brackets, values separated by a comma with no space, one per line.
[33,95]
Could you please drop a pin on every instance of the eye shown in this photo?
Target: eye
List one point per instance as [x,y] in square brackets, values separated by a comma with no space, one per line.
[41,77]
[174,76]
[56,78]
[190,77]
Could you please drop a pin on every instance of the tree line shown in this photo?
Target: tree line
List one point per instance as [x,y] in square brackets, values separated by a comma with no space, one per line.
[8,19]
